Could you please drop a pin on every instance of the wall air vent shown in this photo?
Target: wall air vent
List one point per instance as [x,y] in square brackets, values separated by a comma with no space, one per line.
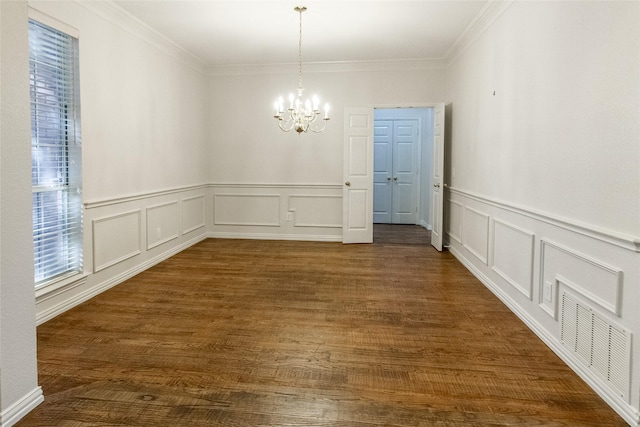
[601,346]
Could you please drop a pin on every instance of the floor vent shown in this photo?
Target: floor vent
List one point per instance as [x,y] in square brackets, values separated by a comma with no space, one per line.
[601,346]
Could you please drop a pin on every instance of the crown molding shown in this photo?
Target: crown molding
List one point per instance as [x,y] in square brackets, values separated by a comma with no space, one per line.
[480,23]
[124,20]
[329,67]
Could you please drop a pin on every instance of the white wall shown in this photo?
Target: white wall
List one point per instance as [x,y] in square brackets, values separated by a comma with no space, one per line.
[561,132]
[260,152]
[545,189]
[19,390]
[259,158]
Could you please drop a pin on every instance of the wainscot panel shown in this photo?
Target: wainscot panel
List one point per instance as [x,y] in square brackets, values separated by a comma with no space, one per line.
[455,220]
[475,234]
[513,250]
[193,213]
[591,278]
[247,209]
[115,239]
[316,210]
[162,224]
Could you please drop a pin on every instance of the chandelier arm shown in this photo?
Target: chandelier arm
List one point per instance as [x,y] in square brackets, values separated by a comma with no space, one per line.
[288,125]
[321,129]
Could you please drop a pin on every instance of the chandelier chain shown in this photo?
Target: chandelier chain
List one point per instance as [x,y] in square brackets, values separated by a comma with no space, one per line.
[300,51]
[300,115]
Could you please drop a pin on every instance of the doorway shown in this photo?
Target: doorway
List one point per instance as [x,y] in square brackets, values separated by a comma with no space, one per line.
[403,146]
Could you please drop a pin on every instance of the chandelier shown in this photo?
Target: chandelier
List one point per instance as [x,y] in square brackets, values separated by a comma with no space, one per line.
[300,116]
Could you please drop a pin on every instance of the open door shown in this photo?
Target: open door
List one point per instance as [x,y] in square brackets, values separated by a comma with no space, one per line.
[437,204]
[357,193]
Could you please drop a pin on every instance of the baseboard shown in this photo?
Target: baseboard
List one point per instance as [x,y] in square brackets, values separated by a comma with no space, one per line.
[22,407]
[270,236]
[423,224]
[627,412]
[67,304]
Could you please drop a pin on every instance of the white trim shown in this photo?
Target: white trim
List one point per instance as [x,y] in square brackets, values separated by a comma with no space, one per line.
[622,240]
[479,24]
[424,225]
[626,411]
[140,196]
[114,14]
[328,67]
[280,185]
[52,22]
[269,236]
[56,288]
[17,410]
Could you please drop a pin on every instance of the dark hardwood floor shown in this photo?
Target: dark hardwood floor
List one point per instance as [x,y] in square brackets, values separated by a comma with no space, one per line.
[279,333]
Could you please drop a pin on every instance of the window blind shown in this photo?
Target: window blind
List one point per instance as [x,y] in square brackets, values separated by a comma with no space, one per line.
[55,153]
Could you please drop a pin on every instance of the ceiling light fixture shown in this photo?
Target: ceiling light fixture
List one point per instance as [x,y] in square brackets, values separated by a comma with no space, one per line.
[300,115]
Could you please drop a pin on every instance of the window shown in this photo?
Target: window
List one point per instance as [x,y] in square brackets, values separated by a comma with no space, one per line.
[55,153]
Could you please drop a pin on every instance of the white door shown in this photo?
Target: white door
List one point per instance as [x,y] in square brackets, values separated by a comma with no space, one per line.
[357,194]
[382,171]
[438,177]
[405,172]
[395,176]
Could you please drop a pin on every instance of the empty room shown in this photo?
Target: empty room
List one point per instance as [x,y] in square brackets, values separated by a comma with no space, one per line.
[320,213]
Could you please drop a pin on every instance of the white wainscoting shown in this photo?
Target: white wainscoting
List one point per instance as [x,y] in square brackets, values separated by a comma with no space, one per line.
[127,235]
[277,211]
[530,259]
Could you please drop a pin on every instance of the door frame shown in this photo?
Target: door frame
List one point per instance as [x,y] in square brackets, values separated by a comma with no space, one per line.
[420,121]
[406,105]
[409,106]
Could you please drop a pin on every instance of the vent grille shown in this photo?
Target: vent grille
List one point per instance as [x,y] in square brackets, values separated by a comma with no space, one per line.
[601,346]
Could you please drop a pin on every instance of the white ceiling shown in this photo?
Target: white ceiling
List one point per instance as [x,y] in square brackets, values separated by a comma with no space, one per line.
[223,33]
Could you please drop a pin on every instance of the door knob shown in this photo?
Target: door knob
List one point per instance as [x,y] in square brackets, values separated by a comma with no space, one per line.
[436,185]
[348,184]
[395,178]
[388,178]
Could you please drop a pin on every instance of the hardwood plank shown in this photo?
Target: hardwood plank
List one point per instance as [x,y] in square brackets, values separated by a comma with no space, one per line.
[276,333]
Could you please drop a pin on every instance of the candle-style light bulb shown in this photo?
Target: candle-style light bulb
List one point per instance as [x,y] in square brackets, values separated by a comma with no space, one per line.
[326,111]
